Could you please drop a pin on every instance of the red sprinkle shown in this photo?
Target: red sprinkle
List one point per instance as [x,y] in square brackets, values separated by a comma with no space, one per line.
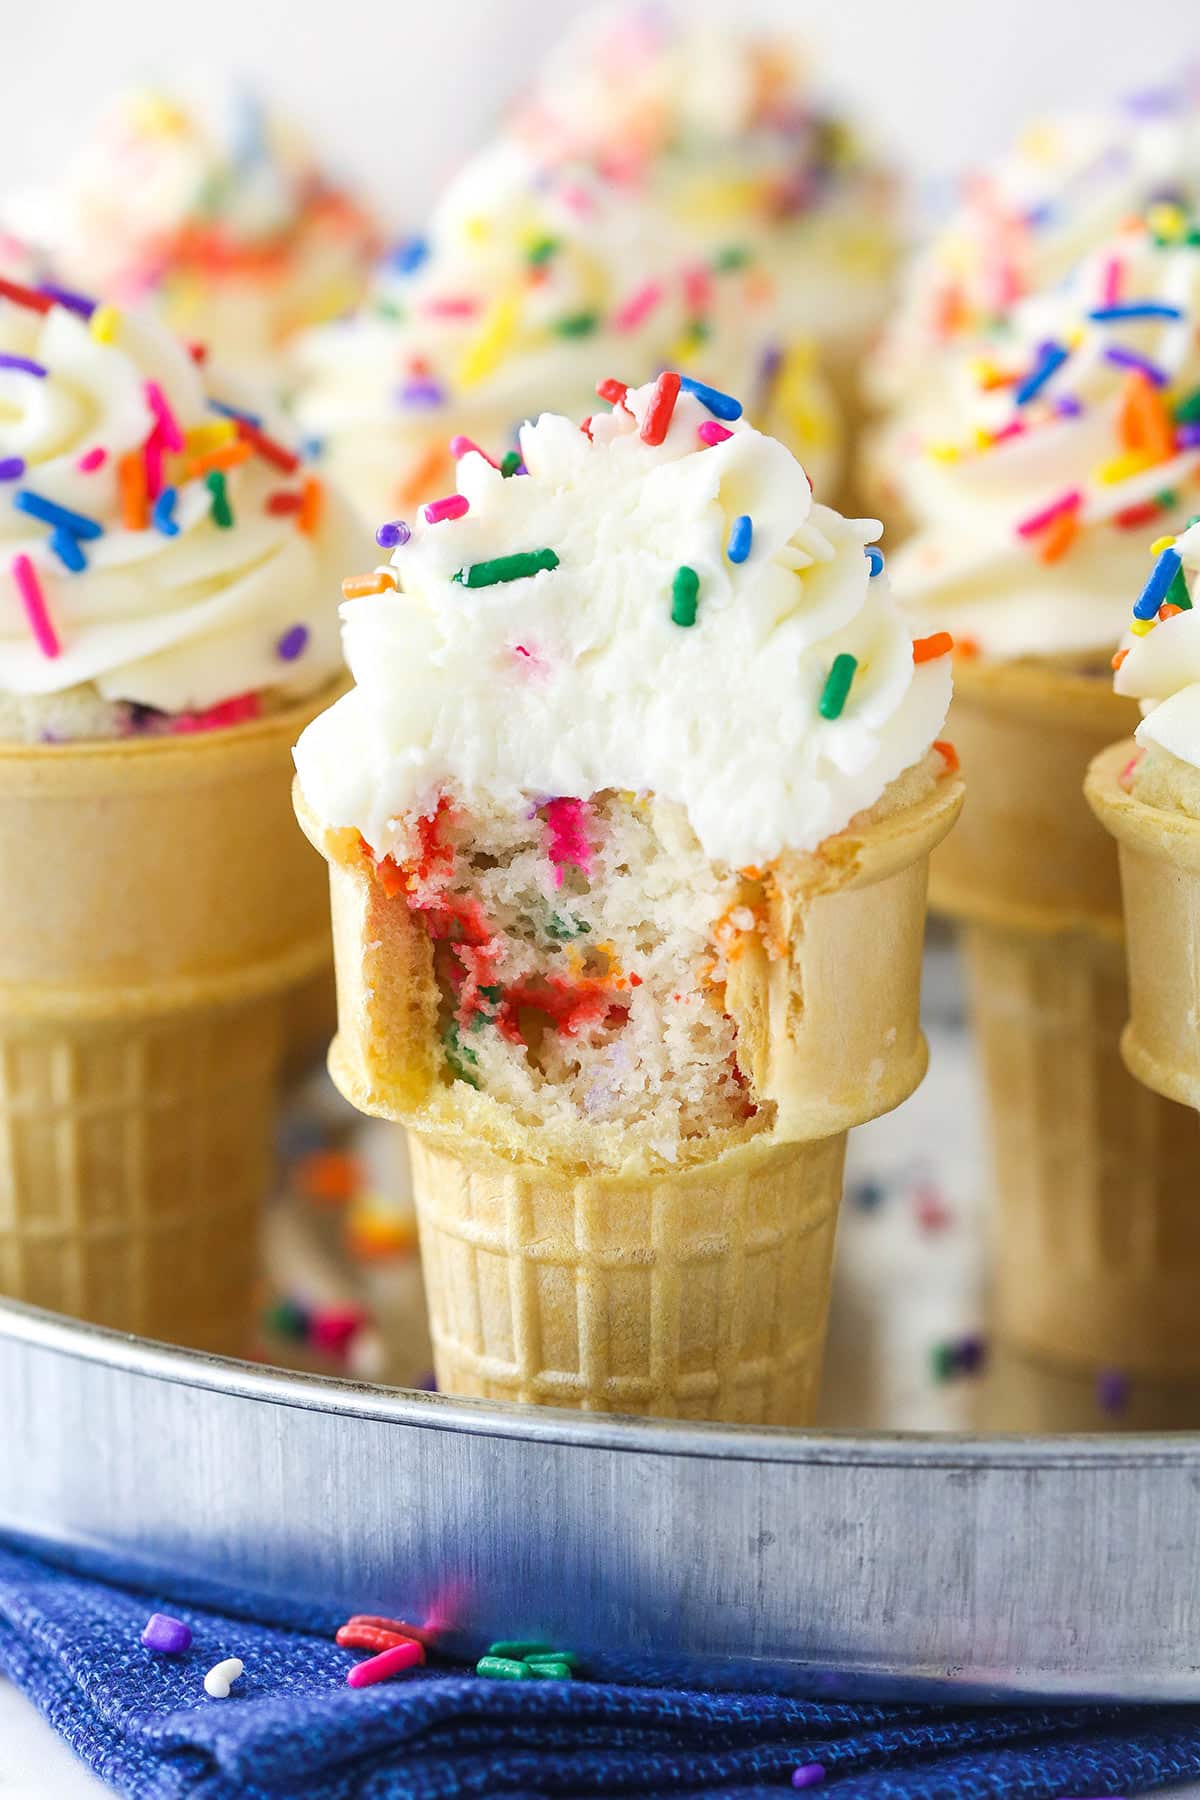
[25,296]
[278,455]
[657,420]
[369,1637]
[612,390]
[284,502]
[34,602]
[948,754]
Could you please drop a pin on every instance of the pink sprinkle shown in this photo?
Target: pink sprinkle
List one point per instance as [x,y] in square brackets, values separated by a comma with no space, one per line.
[385,1665]
[711,432]
[91,459]
[452,306]
[1069,502]
[238,711]
[697,288]
[333,1327]
[808,1775]
[152,456]
[34,602]
[638,307]
[576,197]
[1125,778]
[568,840]
[1014,428]
[463,446]
[1110,288]
[452,507]
[167,425]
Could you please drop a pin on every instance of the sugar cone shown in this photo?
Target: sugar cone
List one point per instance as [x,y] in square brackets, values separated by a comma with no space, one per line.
[700,1291]
[1094,1177]
[157,907]
[1160,879]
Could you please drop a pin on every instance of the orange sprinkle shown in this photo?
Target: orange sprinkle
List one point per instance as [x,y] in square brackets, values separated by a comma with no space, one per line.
[1119,658]
[966,648]
[1143,420]
[354,587]
[329,1175]
[948,754]
[420,477]
[131,480]
[927,649]
[224,456]
[309,516]
[1167,608]
[1058,537]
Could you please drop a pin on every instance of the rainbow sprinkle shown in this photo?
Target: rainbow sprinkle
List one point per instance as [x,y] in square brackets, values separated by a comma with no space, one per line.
[837,686]
[685,590]
[34,601]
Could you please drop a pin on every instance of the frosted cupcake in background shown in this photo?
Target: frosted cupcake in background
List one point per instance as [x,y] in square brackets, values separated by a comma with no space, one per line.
[1147,793]
[529,279]
[724,131]
[1057,456]
[1020,228]
[168,582]
[628,817]
[217,215]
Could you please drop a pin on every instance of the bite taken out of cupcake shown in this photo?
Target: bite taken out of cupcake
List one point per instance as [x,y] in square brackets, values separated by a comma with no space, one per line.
[211,209]
[529,277]
[168,581]
[628,814]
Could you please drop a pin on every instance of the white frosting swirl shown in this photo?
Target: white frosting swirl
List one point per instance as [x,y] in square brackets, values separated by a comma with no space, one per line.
[531,283]
[178,620]
[1035,499]
[1160,666]
[578,678]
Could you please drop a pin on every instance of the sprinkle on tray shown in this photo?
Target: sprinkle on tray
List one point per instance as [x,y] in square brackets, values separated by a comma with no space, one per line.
[517,567]
[395,1660]
[221,1676]
[685,591]
[808,1775]
[168,1635]
[34,601]
[524,1659]
[837,686]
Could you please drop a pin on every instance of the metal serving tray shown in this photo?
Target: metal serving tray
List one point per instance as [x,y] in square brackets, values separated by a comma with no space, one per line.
[948,1563]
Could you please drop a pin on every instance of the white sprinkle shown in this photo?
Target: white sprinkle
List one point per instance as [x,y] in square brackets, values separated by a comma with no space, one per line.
[221,1676]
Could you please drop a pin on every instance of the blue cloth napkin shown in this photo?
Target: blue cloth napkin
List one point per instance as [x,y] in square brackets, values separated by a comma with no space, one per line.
[293,1728]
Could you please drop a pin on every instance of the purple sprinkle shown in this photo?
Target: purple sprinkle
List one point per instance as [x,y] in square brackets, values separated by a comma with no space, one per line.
[808,1775]
[1152,101]
[76,303]
[12,468]
[772,362]
[1112,1390]
[393,533]
[1188,436]
[1129,359]
[426,1383]
[421,393]
[1068,407]
[970,1353]
[162,1632]
[292,643]
[25,364]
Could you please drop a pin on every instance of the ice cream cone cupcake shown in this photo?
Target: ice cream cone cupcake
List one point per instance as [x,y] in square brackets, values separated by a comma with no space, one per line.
[1019,228]
[1147,794]
[627,819]
[724,131]
[1073,446]
[530,277]
[212,212]
[166,626]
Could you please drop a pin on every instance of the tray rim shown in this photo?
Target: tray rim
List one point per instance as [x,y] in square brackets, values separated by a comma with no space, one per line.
[270,1384]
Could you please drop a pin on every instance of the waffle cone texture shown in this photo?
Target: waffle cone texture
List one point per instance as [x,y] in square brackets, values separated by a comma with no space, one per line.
[1097,1228]
[157,912]
[695,1291]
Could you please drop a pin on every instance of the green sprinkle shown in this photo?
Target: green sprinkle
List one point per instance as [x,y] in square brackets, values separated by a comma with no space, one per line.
[567,1658]
[837,685]
[542,251]
[507,568]
[1168,499]
[1177,594]
[510,463]
[697,331]
[547,1668]
[503,1668]
[1188,410]
[580,324]
[520,1648]
[1194,520]
[942,1362]
[564,929]
[286,1319]
[388,309]
[222,512]
[734,256]
[684,591]
[458,1056]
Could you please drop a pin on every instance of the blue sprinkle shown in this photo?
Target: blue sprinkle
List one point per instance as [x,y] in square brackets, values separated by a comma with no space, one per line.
[721,406]
[312,449]
[394,532]
[1155,591]
[225,411]
[68,551]
[163,514]
[1053,357]
[12,468]
[1129,359]
[1135,309]
[875,558]
[79,526]
[409,255]
[741,536]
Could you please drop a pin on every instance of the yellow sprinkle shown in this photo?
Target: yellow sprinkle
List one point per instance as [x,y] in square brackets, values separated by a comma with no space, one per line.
[476,230]
[104,324]
[154,112]
[718,202]
[1140,627]
[983,439]
[210,436]
[1161,544]
[943,452]
[486,349]
[1074,337]
[1166,220]
[1130,462]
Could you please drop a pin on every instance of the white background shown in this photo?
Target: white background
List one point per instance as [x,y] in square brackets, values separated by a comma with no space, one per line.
[399,90]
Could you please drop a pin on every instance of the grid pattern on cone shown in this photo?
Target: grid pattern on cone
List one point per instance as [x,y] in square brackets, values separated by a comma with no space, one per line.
[700,1294]
[1099,1226]
[134,1159]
